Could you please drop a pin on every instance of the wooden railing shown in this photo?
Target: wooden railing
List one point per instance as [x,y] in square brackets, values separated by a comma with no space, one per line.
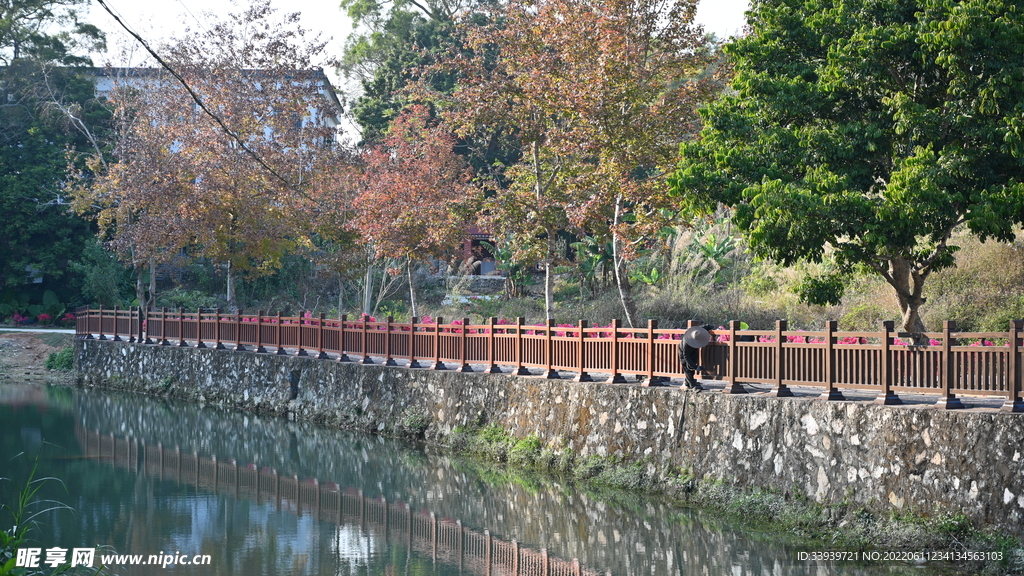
[947,363]
[444,539]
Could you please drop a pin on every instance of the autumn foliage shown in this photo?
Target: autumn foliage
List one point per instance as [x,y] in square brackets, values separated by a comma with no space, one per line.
[236,188]
[414,192]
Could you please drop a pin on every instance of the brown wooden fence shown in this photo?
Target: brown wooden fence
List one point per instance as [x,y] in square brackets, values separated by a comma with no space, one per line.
[444,539]
[947,363]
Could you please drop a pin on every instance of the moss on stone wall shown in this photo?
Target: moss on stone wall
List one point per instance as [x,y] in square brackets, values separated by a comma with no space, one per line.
[845,526]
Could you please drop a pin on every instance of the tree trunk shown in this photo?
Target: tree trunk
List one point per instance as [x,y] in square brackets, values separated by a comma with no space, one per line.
[368,289]
[152,279]
[230,281]
[549,277]
[140,287]
[618,265]
[549,254]
[341,294]
[412,290]
[909,286]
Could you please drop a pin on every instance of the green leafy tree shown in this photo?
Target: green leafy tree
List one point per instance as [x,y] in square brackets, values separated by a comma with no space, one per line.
[46,30]
[47,114]
[392,43]
[866,132]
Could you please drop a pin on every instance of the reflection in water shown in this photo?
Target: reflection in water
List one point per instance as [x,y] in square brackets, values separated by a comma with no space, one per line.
[271,496]
[442,539]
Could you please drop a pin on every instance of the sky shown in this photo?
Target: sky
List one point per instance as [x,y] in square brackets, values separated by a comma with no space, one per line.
[160,20]
[157,20]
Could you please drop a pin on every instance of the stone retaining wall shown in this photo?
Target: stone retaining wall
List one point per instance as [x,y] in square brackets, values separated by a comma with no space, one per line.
[884,458]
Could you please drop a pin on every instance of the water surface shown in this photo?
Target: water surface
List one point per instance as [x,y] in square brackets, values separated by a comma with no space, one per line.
[262,495]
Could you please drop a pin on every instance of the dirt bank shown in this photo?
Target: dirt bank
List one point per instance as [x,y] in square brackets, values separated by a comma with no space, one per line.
[23,357]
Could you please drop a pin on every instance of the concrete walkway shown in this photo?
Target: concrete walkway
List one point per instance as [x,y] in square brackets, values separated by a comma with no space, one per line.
[39,330]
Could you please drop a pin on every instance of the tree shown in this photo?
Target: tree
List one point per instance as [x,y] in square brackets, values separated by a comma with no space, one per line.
[386,58]
[46,31]
[599,94]
[39,237]
[867,132]
[237,191]
[414,194]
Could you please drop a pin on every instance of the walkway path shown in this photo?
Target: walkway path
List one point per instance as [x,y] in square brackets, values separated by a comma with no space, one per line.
[39,330]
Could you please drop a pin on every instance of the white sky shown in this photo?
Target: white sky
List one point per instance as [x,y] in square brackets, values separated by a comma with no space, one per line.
[157,20]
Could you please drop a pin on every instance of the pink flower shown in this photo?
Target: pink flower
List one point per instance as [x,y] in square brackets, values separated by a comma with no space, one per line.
[44,317]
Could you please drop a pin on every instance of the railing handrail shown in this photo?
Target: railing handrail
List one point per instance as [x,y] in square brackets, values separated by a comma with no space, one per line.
[946,363]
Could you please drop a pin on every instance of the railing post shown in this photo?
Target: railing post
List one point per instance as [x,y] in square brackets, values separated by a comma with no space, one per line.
[144,326]
[366,340]
[238,330]
[433,535]
[101,337]
[137,325]
[652,325]
[199,328]
[83,318]
[1014,402]
[259,333]
[408,525]
[887,397]
[302,351]
[488,558]
[131,324]
[520,370]
[181,328]
[388,360]
[438,365]
[320,338]
[731,386]
[163,327]
[947,400]
[492,367]
[830,392]
[549,350]
[616,378]
[413,362]
[462,545]
[216,330]
[464,347]
[780,390]
[280,336]
[117,337]
[342,356]
[581,350]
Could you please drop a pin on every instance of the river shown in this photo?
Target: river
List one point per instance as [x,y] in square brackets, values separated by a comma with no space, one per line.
[244,494]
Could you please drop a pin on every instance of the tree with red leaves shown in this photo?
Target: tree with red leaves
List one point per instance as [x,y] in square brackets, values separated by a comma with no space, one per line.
[415,193]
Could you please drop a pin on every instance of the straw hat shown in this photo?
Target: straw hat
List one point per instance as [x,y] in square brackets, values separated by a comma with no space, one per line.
[696,337]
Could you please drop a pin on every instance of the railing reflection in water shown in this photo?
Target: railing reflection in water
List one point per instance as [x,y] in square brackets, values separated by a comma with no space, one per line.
[443,539]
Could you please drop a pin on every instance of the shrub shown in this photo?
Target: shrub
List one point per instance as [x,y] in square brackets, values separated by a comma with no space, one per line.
[61,360]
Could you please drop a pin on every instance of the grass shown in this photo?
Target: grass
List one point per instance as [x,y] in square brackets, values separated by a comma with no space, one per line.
[22,515]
